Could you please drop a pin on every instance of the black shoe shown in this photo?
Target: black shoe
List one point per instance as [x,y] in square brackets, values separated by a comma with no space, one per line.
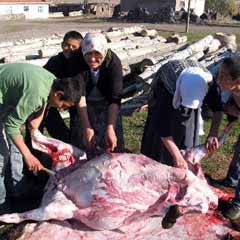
[171,217]
[221,182]
[223,205]
[232,213]
[228,236]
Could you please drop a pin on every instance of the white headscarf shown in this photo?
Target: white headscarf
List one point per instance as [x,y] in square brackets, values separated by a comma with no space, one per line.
[191,87]
[94,42]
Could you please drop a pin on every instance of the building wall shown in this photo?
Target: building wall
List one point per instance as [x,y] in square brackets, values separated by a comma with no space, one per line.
[154,5]
[127,5]
[30,11]
[181,4]
[197,5]
[100,10]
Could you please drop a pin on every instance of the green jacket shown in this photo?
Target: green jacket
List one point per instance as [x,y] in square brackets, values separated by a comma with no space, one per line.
[24,89]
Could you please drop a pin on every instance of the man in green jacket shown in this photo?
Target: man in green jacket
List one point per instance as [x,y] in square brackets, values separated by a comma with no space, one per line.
[26,91]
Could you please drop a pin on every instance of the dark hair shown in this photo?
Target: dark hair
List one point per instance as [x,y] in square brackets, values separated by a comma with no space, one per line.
[233,66]
[72,34]
[72,87]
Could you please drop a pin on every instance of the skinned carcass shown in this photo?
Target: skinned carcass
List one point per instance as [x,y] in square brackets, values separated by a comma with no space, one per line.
[112,190]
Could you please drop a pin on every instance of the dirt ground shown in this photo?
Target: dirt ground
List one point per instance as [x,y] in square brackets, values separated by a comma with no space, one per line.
[21,29]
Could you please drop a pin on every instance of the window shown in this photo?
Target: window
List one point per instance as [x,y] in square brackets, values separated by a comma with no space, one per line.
[40,9]
[25,8]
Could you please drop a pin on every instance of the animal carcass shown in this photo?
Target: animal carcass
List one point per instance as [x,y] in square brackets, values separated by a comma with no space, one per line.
[113,190]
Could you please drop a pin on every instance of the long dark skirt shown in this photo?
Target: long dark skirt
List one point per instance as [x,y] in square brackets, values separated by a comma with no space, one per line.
[185,124]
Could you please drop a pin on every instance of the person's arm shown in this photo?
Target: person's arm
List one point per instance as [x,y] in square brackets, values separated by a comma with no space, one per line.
[213,100]
[35,119]
[32,162]
[110,136]
[13,123]
[164,116]
[88,132]
[116,76]
[179,161]
[212,139]
[215,123]
[33,124]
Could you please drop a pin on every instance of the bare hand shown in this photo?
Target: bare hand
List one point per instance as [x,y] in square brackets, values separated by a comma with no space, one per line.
[33,163]
[212,144]
[180,163]
[188,155]
[89,138]
[110,139]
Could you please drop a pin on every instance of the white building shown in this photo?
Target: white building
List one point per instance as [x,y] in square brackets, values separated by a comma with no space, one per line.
[29,8]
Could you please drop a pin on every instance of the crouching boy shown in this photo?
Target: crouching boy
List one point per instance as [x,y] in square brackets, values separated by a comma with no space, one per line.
[26,91]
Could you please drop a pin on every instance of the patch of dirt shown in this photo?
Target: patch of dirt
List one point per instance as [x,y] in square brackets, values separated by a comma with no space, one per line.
[12,30]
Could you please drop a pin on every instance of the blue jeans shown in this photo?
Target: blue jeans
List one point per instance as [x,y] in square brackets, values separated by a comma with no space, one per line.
[237,194]
[12,180]
[4,159]
[233,173]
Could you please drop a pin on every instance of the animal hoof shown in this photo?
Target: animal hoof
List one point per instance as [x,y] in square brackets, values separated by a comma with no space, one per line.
[171,217]
[228,237]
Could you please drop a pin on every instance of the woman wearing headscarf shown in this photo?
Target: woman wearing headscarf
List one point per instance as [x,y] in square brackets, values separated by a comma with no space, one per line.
[100,119]
[175,101]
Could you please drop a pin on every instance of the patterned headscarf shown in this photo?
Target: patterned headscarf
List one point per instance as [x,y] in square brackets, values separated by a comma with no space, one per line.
[94,42]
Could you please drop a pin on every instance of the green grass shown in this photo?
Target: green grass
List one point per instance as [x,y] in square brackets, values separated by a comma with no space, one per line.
[192,36]
[195,36]
[133,130]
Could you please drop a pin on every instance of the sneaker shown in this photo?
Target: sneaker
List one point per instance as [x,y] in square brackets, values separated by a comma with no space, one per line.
[171,217]
[232,213]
